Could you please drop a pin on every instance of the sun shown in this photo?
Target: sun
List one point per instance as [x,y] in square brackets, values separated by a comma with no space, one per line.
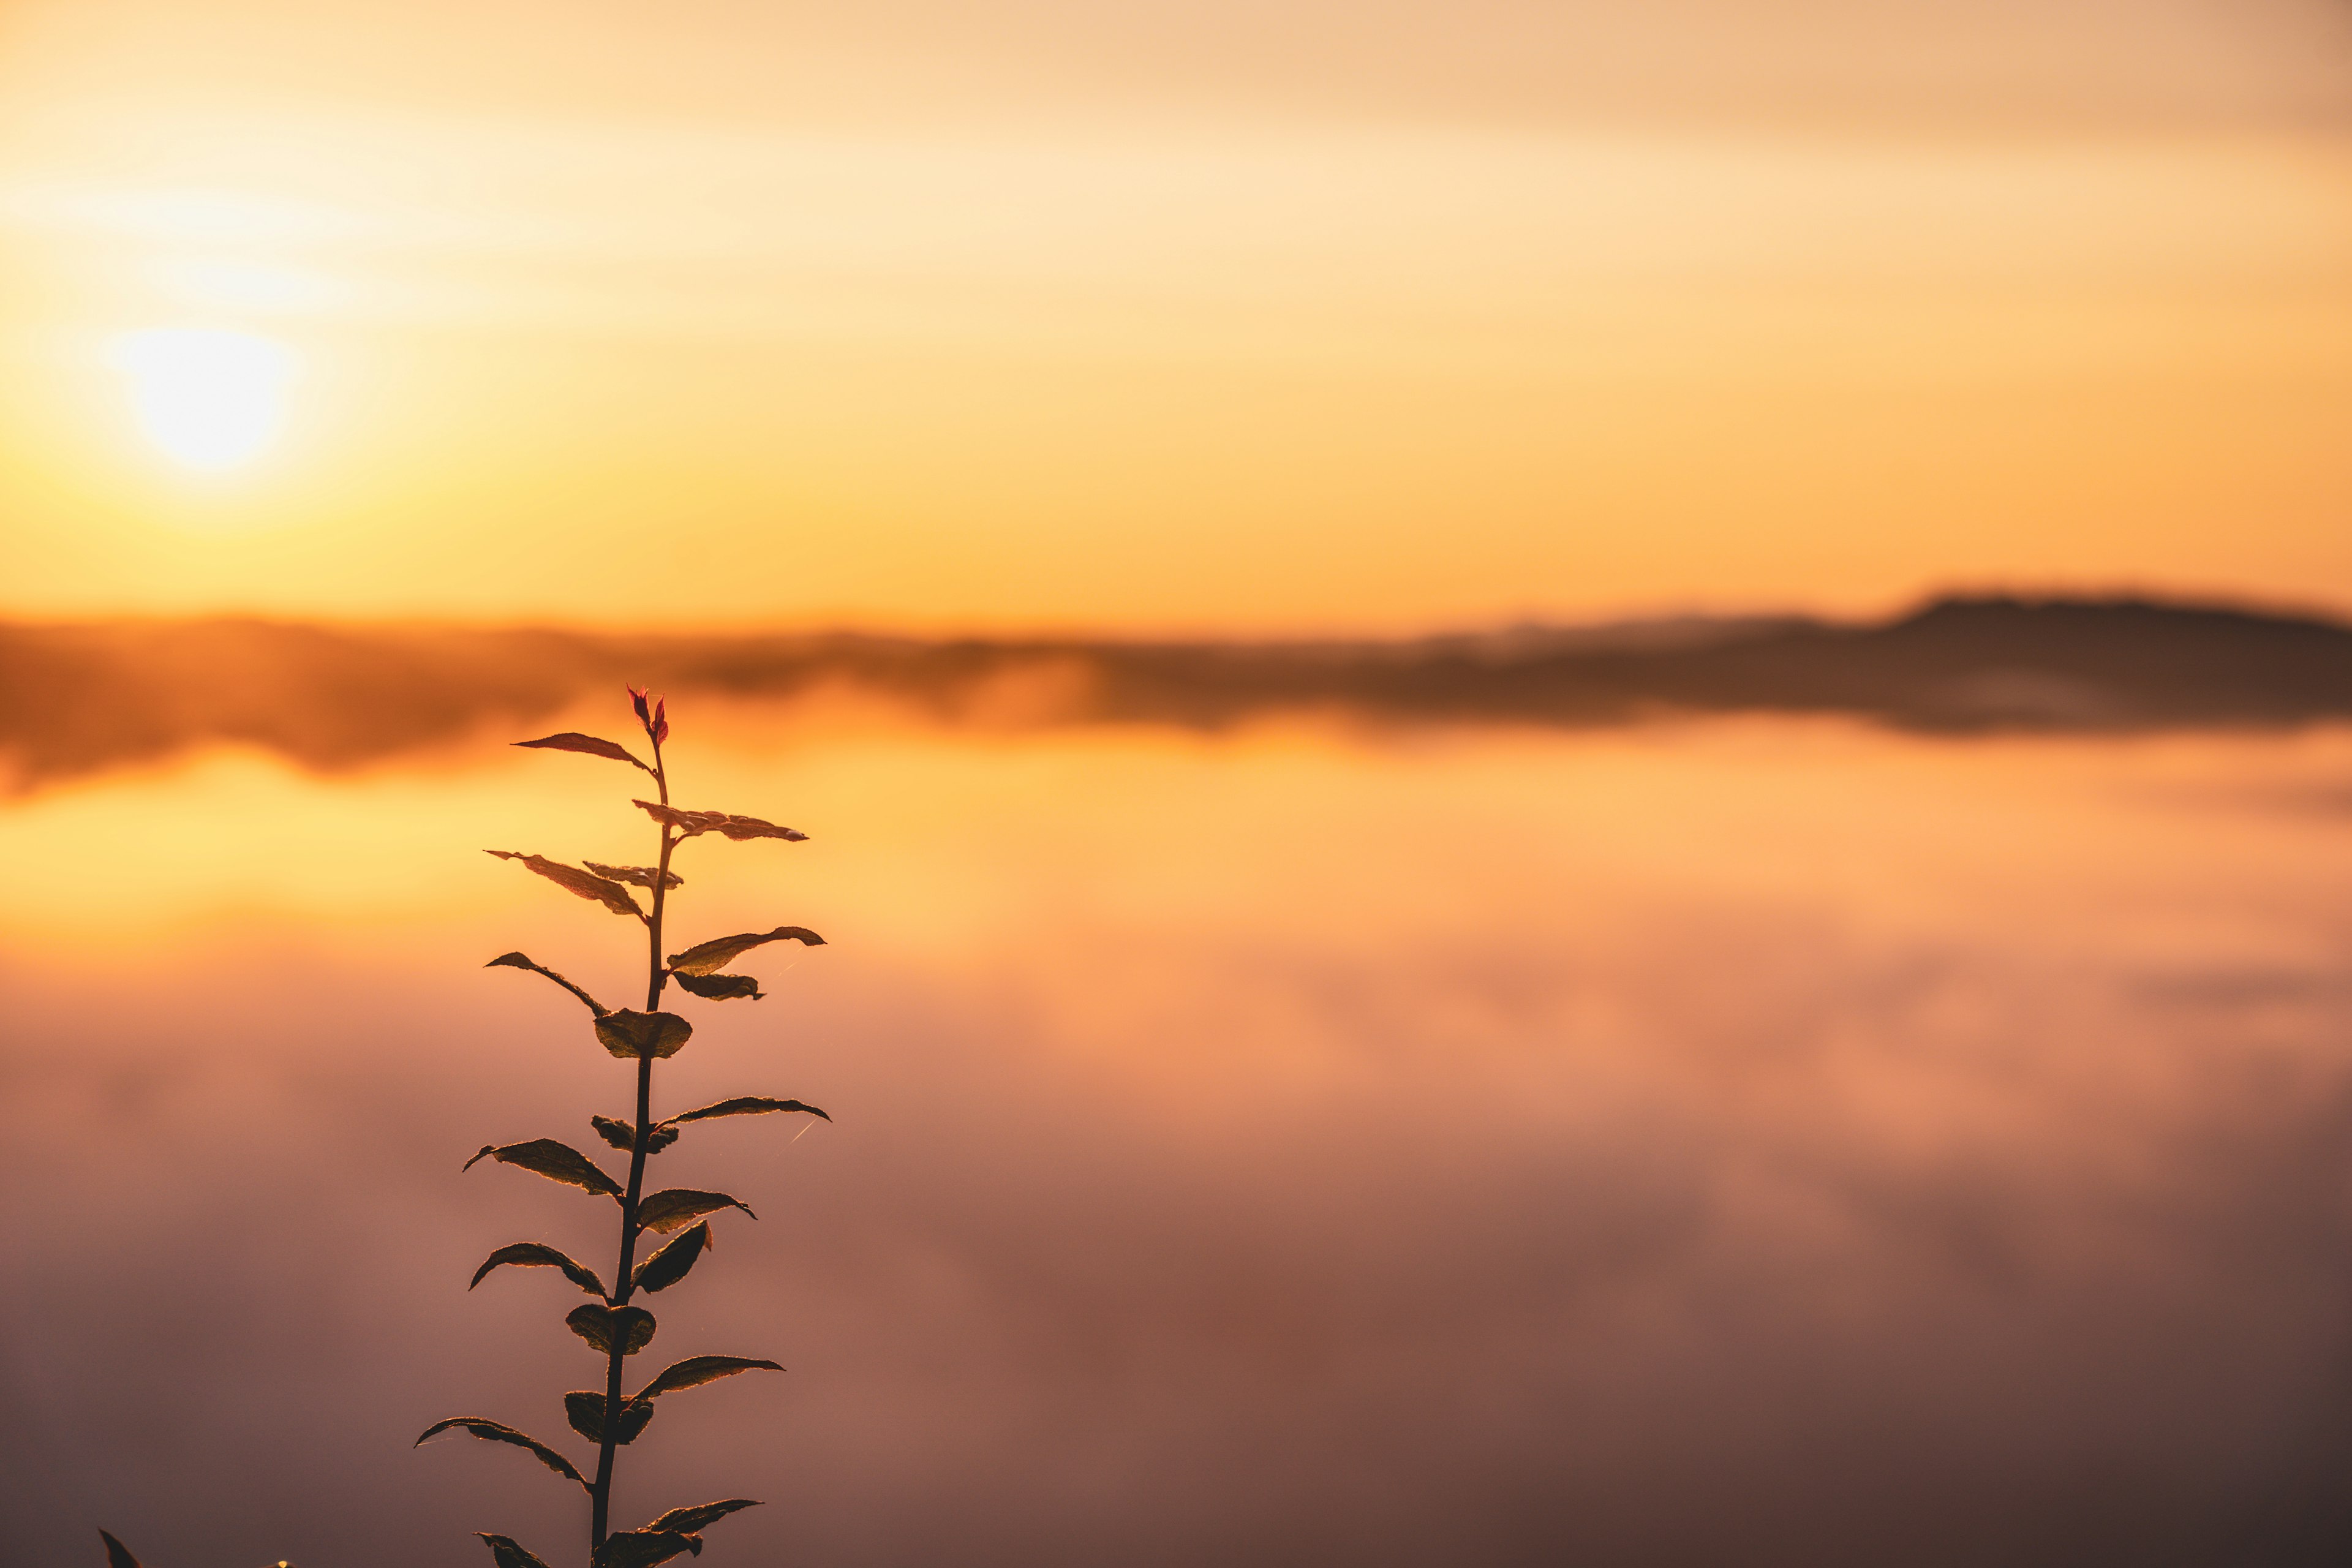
[208,397]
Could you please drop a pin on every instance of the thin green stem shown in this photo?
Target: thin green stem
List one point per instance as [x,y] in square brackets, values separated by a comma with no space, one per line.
[600,1496]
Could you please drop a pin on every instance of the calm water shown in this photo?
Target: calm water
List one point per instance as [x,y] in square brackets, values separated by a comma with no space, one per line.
[1760,1142]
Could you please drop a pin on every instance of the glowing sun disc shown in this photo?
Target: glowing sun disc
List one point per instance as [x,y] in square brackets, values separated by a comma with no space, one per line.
[208,397]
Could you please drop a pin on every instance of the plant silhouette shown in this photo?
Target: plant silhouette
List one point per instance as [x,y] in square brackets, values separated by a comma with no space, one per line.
[610,1322]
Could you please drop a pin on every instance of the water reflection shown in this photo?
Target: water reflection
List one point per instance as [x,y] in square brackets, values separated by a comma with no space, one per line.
[1764,1141]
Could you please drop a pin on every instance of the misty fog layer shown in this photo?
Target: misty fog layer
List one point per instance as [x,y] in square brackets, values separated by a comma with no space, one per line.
[1767,1141]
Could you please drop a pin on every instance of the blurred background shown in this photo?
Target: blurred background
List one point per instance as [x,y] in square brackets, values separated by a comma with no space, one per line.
[1581,775]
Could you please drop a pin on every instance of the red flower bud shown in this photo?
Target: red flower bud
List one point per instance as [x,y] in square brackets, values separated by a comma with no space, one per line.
[637,698]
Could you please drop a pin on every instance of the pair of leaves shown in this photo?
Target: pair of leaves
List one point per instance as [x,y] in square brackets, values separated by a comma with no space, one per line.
[709,957]
[556,1161]
[590,745]
[692,824]
[499,1432]
[585,1408]
[630,1034]
[600,1325]
[696,969]
[538,1254]
[573,879]
[673,1207]
[623,1136]
[667,1267]
[523,960]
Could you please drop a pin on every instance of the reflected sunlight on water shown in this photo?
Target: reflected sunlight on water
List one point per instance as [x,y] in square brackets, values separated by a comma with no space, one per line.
[1770,1140]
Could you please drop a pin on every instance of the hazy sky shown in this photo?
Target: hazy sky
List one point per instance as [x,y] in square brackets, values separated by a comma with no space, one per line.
[1300,315]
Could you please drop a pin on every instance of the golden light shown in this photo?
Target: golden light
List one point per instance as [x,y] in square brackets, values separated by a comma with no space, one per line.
[208,397]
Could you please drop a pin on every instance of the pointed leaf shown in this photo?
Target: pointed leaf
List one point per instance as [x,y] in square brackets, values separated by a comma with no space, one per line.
[720,987]
[644,1548]
[499,1431]
[523,960]
[701,1516]
[538,1254]
[507,1552]
[691,823]
[624,1137]
[745,1105]
[697,1370]
[667,1267]
[597,1324]
[556,1161]
[585,1410]
[572,740]
[631,1034]
[572,879]
[709,957]
[636,875]
[667,1210]
[117,1554]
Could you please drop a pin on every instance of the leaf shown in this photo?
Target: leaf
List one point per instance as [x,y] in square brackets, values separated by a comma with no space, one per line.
[509,1552]
[538,1254]
[597,1324]
[631,1034]
[117,1554]
[667,1267]
[690,823]
[666,1211]
[636,875]
[556,1161]
[499,1431]
[708,957]
[572,879]
[624,1137]
[644,1548]
[585,1410]
[720,987]
[701,1516]
[697,1370]
[523,960]
[744,1105]
[572,740]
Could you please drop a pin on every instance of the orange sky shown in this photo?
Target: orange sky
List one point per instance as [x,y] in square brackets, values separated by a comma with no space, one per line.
[1211,316]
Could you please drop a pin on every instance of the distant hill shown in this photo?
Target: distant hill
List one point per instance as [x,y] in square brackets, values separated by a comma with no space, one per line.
[77,698]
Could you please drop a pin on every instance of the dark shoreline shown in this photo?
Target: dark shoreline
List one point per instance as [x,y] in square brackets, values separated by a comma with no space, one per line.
[80,697]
